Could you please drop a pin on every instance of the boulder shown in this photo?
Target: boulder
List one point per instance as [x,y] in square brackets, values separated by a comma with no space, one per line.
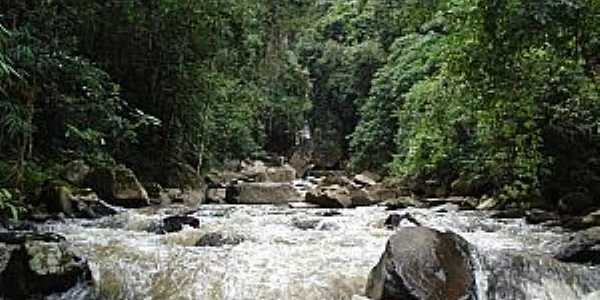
[262,193]
[216,195]
[284,173]
[367,178]
[33,266]
[422,263]
[334,196]
[576,203]
[583,248]
[75,172]
[176,223]
[118,186]
[217,239]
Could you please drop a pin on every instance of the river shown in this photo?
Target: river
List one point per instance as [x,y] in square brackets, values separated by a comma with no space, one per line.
[305,254]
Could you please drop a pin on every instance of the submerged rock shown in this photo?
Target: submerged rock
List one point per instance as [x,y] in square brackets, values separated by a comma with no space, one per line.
[584,247]
[176,223]
[217,239]
[424,264]
[36,265]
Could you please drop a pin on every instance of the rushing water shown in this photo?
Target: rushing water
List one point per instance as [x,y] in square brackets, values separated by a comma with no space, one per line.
[279,260]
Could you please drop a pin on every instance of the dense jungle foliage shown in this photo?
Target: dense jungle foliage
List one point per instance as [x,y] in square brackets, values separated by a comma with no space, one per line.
[496,97]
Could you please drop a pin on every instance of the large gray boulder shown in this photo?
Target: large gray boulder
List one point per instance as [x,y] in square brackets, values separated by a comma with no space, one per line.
[118,186]
[262,193]
[584,247]
[36,265]
[423,264]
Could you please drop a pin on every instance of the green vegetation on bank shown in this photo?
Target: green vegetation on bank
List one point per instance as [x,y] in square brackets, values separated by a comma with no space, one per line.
[496,97]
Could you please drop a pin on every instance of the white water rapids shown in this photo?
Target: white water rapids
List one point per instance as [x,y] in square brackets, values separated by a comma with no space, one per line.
[279,260]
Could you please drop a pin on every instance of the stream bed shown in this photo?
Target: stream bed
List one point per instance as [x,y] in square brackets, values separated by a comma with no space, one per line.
[315,254]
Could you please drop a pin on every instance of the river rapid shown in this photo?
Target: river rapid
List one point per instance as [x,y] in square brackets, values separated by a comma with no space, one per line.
[315,254]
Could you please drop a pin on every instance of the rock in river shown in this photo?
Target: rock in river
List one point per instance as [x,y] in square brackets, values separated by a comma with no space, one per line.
[584,247]
[262,193]
[36,265]
[423,264]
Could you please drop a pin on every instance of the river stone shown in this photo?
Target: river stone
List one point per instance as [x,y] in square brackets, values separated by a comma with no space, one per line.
[423,264]
[217,239]
[176,223]
[33,266]
[333,196]
[262,193]
[119,186]
[584,247]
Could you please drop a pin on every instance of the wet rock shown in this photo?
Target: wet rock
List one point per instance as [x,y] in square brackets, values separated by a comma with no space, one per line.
[75,172]
[538,216]
[584,248]
[333,196]
[118,186]
[422,263]
[176,223]
[446,208]
[262,193]
[394,220]
[36,265]
[576,203]
[216,195]
[217,239]
[305,224]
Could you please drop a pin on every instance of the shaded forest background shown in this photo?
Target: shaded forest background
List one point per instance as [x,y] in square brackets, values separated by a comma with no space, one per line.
[472,97]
